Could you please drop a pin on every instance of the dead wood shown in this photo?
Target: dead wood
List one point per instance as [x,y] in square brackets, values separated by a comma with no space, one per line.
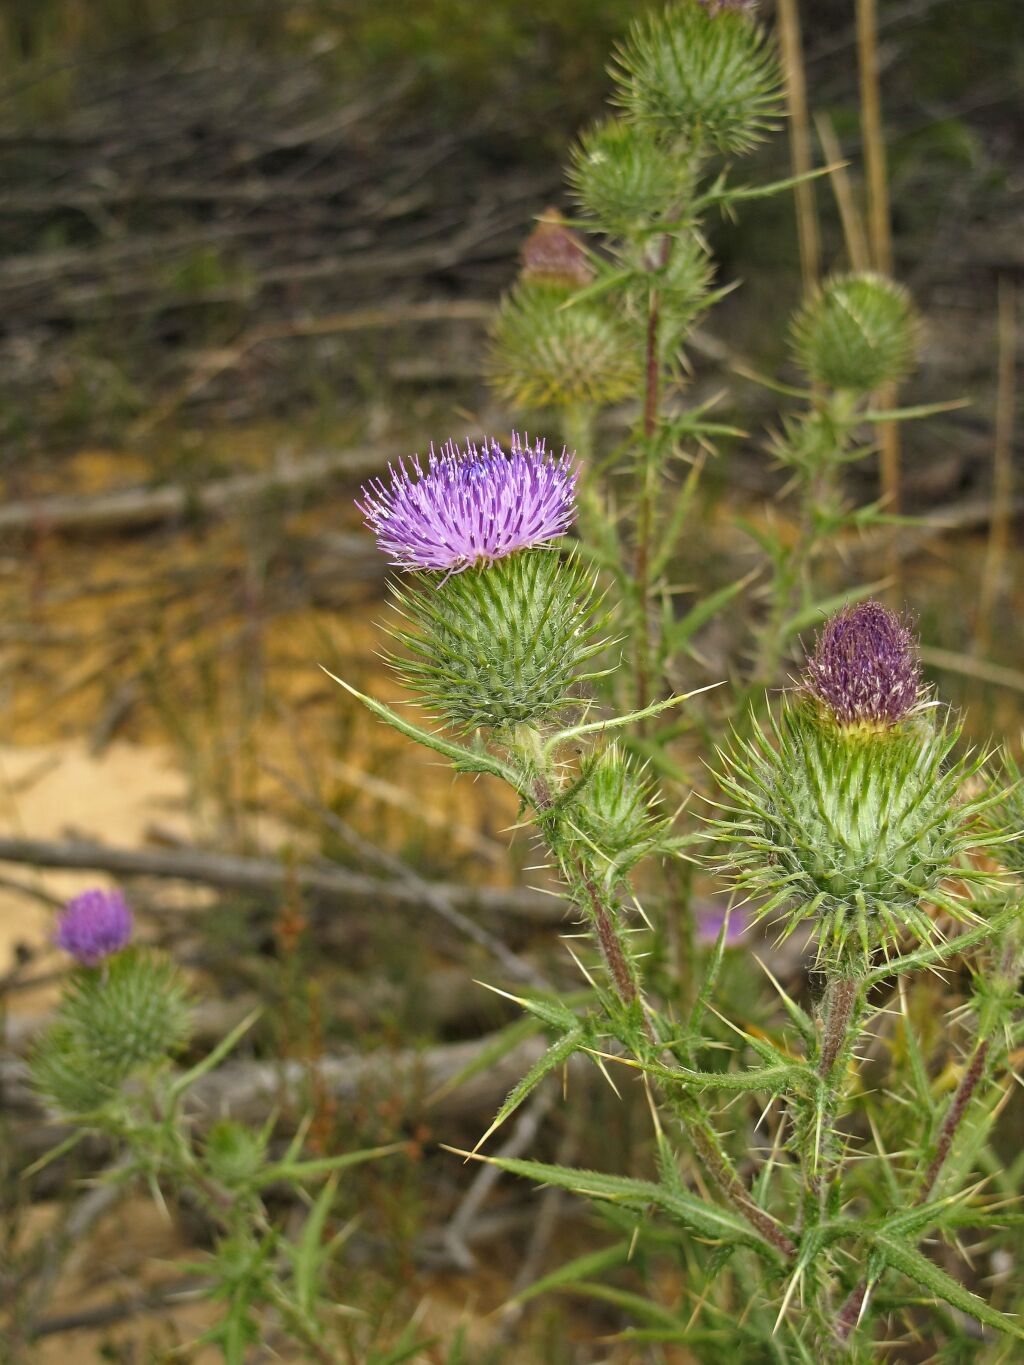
[264,875]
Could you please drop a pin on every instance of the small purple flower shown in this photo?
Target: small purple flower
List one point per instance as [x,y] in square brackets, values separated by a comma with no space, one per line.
[865,668]
[710,921]
[471,506]
[94,925]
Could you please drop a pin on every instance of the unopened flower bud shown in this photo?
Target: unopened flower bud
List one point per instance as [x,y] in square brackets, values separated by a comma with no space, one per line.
[865,670]
[554,255]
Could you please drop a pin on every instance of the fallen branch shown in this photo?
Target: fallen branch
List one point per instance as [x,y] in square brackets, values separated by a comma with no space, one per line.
[143,506]
[267,874]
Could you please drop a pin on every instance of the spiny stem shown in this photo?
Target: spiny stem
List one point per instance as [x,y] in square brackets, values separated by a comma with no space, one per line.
[645,519]
[620,969]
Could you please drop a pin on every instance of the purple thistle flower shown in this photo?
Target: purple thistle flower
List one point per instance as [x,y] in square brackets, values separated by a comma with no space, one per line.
[471,506]
[711,919]
[865,668]
[94,925]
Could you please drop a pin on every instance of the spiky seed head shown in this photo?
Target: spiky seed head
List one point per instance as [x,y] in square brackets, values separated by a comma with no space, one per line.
[110,1024]
[855,333]
[615,811]
[850,832]
[865,669]
[94,925]
[709,79]
[547,351]
[555,255]
[625,174]
[471,506]
[499,645]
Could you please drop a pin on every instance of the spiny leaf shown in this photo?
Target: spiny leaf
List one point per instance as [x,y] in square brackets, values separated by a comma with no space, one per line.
[905,1258]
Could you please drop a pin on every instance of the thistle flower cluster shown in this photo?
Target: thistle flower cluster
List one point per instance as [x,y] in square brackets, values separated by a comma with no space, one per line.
[503,636]
[94,925]
[855,333]
[471,506]
[848,816]
[864,669]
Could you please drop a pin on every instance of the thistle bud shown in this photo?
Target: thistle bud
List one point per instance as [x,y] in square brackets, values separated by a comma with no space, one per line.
[615,812]
[554,255]
[109,1026]
[235,1154]
[855,333]
[707,78]
[547,351]
[624,174]
[848,817]
[503,636]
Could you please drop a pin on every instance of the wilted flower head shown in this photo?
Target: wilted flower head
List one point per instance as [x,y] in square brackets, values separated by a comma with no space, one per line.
[471,506]
[554,254]
[865,668]
[94,925]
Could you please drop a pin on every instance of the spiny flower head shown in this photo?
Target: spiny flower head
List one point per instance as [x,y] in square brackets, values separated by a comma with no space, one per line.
[865,669]
[471,506]
[94,925]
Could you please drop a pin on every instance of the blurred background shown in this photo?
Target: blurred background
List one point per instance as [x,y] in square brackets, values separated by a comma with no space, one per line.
[249,253]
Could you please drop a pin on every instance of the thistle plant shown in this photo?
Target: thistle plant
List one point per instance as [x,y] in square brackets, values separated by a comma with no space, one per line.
[798,1174]
[106,1068]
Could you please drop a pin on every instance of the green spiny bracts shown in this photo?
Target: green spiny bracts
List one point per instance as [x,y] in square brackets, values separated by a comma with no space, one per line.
[68,1077]
[234,1153]
[1006,817]
[614,812]
[501,645]
[549,352]
[856,332]
[111,1023]
[683,287]
[710,79]
[624,175]
[851,830]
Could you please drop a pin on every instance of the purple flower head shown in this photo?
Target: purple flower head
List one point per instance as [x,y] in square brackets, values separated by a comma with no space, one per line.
[471,506]
[94,925]
[865,668]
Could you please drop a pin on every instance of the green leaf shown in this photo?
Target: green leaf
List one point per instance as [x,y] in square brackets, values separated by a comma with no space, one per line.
[498,1045]
[614,722]
[556,1055]
[571,1274]
[701,1217]
[308,1259]
[906,1259]
[680,632]
[212,1059]
[465,760]
[305,1170]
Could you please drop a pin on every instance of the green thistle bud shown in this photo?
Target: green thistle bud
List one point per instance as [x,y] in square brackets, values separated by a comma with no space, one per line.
[549,352]
[855,333]
[502,644]
[111,1023]
[614,811]
[624,175]
[708,78]
[235,1154]
[848,829]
